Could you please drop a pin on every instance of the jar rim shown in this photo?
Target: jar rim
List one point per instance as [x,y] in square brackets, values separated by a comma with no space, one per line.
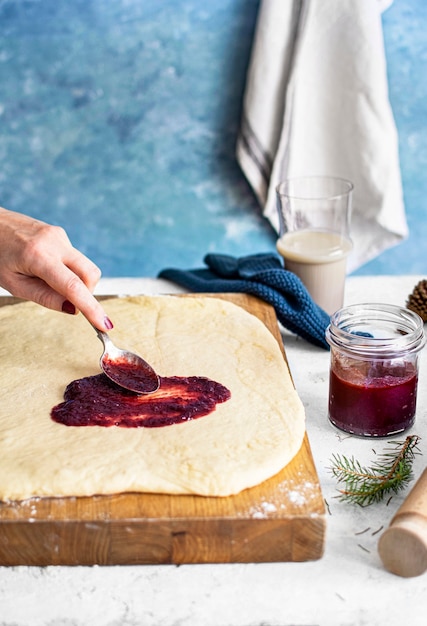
[397,329]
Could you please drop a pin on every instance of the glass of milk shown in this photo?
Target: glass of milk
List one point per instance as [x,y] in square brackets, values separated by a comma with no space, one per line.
[314,239]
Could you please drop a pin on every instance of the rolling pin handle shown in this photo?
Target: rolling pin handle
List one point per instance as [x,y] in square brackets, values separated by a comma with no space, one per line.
[403,546]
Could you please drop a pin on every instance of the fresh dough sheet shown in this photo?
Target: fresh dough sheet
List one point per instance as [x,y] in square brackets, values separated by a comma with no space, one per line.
[246,438]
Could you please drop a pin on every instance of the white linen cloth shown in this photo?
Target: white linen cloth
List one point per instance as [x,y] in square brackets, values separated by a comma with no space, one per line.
[316,103]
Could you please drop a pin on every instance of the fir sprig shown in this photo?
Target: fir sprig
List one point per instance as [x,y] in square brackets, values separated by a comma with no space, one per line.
[391,473]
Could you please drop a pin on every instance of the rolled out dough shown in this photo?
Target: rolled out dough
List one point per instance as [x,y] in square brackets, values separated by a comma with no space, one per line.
[244,441]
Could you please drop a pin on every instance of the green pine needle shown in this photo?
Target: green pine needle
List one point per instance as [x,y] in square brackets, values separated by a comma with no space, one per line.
[391,473]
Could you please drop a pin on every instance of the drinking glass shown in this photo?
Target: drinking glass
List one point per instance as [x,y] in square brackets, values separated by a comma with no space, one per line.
[314,238]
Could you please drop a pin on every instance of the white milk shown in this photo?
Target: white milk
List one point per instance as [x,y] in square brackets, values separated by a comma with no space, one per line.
[319,258]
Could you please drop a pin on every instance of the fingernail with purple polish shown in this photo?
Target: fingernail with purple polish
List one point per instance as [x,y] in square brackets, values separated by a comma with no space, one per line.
[68,307]
[108,323]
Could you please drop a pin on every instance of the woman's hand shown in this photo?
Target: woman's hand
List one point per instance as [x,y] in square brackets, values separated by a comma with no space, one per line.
[38,262]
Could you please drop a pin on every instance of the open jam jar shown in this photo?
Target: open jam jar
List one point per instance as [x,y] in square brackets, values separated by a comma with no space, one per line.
[374,368]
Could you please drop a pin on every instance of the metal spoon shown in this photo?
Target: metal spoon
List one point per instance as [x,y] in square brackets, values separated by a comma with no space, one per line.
[126,369]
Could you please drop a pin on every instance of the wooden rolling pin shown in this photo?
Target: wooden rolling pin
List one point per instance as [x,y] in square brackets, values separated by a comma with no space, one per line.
[403,546]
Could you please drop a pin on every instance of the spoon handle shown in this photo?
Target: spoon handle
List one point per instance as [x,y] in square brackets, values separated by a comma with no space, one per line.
[102,336]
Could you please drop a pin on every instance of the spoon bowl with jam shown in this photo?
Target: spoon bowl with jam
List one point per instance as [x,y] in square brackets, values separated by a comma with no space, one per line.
[126,369]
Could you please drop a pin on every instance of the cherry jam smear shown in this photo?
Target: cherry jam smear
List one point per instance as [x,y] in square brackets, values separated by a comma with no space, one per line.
[97,401]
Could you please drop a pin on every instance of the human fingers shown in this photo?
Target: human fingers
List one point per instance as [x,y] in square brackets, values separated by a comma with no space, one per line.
[39,291]
[68,276]
[76,278]
[39,263]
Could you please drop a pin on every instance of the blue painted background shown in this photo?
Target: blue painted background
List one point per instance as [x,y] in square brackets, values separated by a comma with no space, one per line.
[118,120]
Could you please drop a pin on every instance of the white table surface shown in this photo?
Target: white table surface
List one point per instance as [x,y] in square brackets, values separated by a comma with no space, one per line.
[348,585]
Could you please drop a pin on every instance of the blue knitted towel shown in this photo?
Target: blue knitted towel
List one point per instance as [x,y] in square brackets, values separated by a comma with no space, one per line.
[262,275]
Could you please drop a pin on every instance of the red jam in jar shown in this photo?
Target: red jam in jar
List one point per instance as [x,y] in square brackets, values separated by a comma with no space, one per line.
[374,369]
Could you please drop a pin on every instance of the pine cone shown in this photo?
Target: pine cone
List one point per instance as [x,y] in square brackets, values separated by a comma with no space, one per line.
[417,300]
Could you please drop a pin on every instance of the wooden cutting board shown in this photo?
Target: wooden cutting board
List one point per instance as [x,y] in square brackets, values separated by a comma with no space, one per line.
[282,519]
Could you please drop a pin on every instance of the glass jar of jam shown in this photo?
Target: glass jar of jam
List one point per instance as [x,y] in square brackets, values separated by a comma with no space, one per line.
[374,368]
